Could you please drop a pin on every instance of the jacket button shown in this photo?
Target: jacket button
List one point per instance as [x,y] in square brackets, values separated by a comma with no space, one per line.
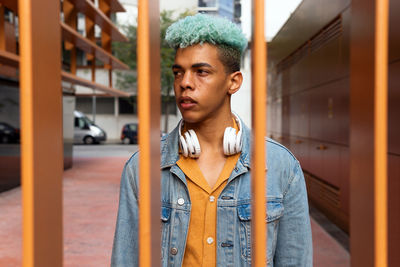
[181,201]
[174,251]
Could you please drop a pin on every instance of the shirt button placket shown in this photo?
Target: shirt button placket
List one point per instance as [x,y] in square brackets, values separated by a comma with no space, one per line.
[209,230]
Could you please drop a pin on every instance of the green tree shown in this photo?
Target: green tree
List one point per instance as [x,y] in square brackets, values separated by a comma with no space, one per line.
[126,52]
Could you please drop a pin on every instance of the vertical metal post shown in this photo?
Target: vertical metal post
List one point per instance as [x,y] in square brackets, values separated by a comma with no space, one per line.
[116,106]
[94,106]
[105,38]
[93,67]
[90,34]
[148,54]
[70,18]
[368,133]
[2,29]
[381,132]
[41,132]
[259,110]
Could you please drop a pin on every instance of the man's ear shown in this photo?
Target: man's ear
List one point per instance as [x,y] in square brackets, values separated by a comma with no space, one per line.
[236,79]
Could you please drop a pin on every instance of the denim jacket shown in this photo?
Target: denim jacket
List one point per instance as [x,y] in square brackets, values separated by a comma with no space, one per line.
[287,220]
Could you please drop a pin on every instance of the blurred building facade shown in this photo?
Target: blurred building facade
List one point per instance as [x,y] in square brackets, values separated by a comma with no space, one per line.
[79,48]
[309,106]
[230,9]
[89,80]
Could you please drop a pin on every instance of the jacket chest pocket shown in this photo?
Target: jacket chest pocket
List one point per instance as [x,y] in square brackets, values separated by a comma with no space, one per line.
[274,212]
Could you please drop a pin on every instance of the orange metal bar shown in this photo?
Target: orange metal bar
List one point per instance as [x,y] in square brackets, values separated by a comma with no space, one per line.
[110,78]
[148,53]
[115,6]
[68,77]
[41,135]
[2,29]
[93,68]
[368,133]
[90,47]
[8,58]
[105,7]
[91,11]
[380,132]
[259,109]
[73,60]
[90,35]
[10,4]
[70,18]
[105,38]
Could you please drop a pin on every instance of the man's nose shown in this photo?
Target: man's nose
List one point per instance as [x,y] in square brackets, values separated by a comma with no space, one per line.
[187,81]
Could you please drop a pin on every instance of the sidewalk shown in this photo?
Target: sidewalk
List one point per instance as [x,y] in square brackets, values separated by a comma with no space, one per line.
[90,206]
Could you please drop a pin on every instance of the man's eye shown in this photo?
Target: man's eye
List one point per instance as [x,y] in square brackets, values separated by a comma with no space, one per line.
[202,72]
[177,73]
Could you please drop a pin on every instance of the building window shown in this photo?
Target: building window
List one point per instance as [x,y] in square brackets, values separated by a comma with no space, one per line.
[207,3]
[104,105]
[127,105]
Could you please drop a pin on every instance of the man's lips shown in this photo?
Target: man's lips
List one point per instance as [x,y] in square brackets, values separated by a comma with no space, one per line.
[187,102]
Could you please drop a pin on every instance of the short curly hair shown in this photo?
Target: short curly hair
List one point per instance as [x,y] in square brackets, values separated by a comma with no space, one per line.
[201,28]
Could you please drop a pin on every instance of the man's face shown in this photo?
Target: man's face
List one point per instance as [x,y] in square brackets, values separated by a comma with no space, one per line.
[201,83]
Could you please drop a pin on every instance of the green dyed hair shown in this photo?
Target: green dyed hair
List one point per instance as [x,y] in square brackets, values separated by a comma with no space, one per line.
[217,31]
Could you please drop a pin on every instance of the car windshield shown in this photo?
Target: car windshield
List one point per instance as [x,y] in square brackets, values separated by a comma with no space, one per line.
[87,120]
[6,125]
[132,127]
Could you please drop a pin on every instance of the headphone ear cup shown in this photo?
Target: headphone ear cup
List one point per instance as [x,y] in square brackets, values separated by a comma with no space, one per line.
[238,137]
[226,141]
[229,141]
[183,145]
[232,141]
[189,144]
[195,143]
[238,145]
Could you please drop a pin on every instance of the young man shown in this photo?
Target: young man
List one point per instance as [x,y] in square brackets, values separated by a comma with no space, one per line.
[205,165]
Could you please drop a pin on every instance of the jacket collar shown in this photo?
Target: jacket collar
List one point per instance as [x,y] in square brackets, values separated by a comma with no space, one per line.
[170,147]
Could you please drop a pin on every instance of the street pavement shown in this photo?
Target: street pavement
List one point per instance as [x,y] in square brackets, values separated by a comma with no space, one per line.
[104,150]
[90,194]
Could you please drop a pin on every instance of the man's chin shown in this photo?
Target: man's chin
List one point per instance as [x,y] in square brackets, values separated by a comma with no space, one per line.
[191,117]
[190,120]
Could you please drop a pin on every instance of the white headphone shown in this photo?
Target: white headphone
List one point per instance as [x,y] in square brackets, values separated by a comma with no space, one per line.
[190,146]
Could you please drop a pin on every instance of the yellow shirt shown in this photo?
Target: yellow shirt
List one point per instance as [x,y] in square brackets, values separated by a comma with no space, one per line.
[201,240]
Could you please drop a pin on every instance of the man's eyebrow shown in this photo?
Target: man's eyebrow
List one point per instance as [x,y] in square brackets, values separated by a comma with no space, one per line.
[199,65]
[196,65]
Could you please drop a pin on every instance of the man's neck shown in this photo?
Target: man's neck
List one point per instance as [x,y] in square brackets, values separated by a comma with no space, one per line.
[210,132]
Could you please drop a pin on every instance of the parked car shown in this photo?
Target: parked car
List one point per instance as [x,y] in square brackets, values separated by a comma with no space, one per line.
[129,133]
[86,131]
[8,134]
